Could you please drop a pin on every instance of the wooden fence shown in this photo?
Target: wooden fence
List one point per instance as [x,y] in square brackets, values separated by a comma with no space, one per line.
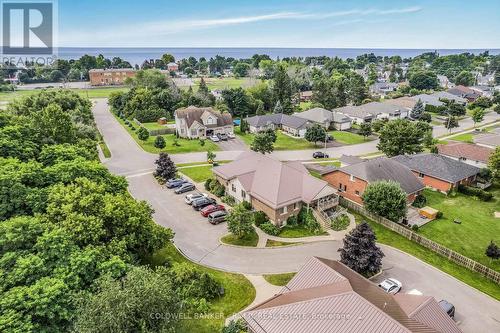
[425,242]
[157,132]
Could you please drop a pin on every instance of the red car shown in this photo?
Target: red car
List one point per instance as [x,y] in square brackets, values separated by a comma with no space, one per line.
[210,209]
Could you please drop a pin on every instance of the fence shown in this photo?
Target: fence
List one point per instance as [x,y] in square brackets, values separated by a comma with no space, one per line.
[425,242]
[157,132]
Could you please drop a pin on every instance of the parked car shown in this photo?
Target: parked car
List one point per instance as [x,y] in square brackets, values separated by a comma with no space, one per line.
[217,217]
[186,187]
[214,138]
[174,183]
[211,209]
[391,286]
[223,136]
[194,196]
[320,154]
[448,308]
[231,136]
[202,203]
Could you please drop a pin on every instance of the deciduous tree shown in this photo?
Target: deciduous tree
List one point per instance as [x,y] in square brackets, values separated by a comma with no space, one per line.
[240,221]
[385,198]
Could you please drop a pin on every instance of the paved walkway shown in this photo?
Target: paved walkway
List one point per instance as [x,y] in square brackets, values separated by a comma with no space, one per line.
[199,240]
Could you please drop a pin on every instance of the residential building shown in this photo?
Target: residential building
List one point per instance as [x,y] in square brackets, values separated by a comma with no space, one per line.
[428,100]
[444,82]
[486,91]
[351,180]
[465,92]
[327,296]
[439,172]
[111,76]
[346,160]
[466,152]
[199,123]
[383,88]
[404,102]
[279,189]
[374,110]
[305,96]
[444,95]
[172,67]
[292,125]
[485,80]
[326,118]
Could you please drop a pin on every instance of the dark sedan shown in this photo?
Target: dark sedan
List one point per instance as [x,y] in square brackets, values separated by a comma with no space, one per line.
[186,187]
[202,203]
[174,183]
[320,154]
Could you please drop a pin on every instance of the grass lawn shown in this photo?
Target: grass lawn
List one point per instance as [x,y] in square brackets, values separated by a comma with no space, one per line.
[273,243]
[478,227]
[8,96]
[104,149]
[279,279]
[198,173]
[283,142]
[315,174]
[297,231]
[249,240]
[239,292]
[465,137]
[305,106]
[227,83]
[348,138]
[153,126]
[389,237]
[185,145]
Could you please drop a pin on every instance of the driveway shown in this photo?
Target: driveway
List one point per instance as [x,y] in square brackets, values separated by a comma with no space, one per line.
[235,144]
[199,240]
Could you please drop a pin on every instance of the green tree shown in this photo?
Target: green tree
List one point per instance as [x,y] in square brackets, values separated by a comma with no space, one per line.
[451,122]
[143,134]
[360,251]
[167,58]
[278,108]
[418,110]
[315,133]
[282,88]
[424,79]
[387,199]
[241,69]
[244,127]
[494,163]
[477,115]
[262,143]
[365,129]
[211,156]
[260,109]
[465,78]
[160,142]
[492,251]
[237,101]
[400,136]
[240,221]
[165,167]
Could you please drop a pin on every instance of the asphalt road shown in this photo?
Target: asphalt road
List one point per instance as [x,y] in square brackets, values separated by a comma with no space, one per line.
[199,240]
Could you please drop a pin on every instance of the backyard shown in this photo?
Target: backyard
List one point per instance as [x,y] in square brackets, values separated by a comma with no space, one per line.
[478,224]
[238,292]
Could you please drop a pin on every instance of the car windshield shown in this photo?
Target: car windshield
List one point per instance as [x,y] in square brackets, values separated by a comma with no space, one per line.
[386,285]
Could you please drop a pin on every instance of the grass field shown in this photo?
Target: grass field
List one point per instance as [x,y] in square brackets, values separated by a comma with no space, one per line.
[249,240]
[90,93]
[184,145]
[227,83]
[197,173]
[153,126]
[279,279]
[348,138]
[478,227]
[283,142]
[388,237]
[238,292]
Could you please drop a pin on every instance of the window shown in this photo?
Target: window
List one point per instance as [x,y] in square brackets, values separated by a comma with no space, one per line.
[296,206]
[194,132]
[233,188]
[351,178]
[340,186]
[345,188]
[283,210]
[357,193]
[421,175]
[243,194]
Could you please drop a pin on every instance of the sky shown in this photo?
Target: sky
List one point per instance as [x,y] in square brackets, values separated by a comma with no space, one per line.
[428,24]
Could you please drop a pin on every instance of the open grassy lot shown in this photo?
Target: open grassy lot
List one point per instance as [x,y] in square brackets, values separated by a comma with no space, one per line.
[283,142]
[389,237]
[348,138]
[153,126]
[279,279]
[90,93]
[478,227]
[249,240]
[197,173]
[227,83]
[239,292]
[184,145]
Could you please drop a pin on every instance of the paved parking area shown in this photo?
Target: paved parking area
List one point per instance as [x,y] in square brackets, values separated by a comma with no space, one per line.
[235,144]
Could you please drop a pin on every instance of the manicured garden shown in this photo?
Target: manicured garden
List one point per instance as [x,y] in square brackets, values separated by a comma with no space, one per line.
[173,145]
[391,238]
[238,292]
[477,228]
[279,279]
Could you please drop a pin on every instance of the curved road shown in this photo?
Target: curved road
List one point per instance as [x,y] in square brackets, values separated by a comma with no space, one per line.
[199,240]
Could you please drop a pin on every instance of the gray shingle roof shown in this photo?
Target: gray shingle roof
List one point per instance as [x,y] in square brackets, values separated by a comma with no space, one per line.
[320,115]
[369,109]
[383,168]
[277,119]
[193,113]
[438,166]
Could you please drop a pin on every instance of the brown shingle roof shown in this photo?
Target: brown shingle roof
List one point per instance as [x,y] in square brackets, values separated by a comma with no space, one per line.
[193,113]
[467,150]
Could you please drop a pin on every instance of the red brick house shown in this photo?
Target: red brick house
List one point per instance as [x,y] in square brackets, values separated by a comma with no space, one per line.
[439,172]
[352,180]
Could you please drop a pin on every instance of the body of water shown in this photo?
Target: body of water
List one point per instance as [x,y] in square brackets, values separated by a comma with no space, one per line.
[138,55]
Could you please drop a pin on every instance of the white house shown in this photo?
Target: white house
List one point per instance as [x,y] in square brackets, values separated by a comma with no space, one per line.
[194,123]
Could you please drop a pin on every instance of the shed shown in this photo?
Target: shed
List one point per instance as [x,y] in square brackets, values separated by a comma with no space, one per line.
[162,121]
[428,212]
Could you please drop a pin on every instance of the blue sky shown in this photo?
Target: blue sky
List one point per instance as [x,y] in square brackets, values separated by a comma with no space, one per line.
[273,23]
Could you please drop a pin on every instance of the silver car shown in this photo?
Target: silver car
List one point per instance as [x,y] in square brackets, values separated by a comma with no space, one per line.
[391,286]
[194,196]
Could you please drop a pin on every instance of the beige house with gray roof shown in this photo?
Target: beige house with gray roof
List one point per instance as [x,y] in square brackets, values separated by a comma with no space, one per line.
[199,123]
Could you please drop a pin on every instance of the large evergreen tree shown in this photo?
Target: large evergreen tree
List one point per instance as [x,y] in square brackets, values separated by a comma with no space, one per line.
[282,89]
[165,167]
[418,110]
[360,251]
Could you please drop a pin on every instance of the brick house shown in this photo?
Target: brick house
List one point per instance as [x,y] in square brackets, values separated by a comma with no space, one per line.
[110,77]
[199,123]
[352,180]
[439,172]
[279,189]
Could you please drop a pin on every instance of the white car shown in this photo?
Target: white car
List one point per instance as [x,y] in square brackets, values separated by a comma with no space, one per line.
[194,196]
[231,136]
[391,286]
[214,138]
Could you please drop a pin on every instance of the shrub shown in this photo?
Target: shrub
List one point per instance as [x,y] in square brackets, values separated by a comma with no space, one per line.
[228,200]
[247,205]
[439,215]
[420,201]
[475,191]
[414,227]
[160,142]
[292,220]
[217,188]
[259,218]
[193,282]
[340,223]
[208,184]
[270,229]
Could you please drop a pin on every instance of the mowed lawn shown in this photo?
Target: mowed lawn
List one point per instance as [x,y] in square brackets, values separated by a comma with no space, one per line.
[198,174]
[478,227]
[283,141]
[238,292]
[227,83]
[465,137]
[90,93]
[348,138]
[184,145]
